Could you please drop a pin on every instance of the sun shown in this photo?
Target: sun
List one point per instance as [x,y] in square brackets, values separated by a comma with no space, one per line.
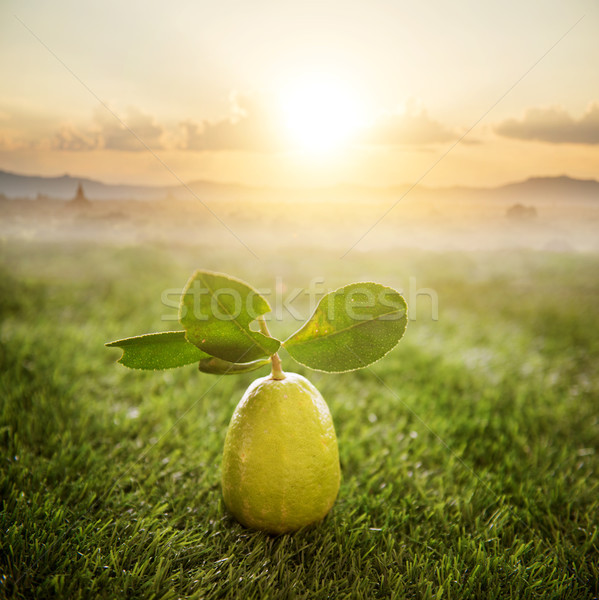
[320,115]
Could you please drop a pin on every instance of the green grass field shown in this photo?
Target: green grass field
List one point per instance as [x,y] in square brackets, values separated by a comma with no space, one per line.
[469,455]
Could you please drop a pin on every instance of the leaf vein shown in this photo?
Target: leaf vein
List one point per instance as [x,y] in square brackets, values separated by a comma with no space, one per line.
[339,331]
[239,325]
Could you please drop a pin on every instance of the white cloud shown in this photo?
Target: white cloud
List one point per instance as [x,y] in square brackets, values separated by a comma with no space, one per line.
[250,128]
[554,125]
[412,126]
[108,133]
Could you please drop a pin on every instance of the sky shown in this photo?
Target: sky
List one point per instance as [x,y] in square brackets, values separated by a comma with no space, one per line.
[281,93]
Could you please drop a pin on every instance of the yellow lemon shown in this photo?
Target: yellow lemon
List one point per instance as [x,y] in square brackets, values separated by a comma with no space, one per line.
[280,463]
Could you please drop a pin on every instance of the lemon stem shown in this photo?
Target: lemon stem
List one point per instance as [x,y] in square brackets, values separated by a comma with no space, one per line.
[275,361]
[277,371]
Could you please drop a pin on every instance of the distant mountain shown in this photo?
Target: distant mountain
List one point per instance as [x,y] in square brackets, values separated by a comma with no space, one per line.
[553,188]
[65,186]
[14,185]
[535,189]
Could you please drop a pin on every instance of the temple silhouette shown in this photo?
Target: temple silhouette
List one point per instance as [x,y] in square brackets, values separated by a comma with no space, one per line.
[79,200]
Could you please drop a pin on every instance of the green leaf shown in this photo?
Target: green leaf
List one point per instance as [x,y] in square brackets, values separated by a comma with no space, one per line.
[216,311]
[217,366]
[351,328]
[157,351]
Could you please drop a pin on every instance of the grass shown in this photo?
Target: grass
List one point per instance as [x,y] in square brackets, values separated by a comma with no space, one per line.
[469,454]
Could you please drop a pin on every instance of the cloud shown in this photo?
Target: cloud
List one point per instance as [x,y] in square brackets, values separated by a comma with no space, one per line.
[250,128]
[253,127]
[70,138]
[554,125]
[107,133]
[254,124]
[11,143]
[117,137]
[413,126]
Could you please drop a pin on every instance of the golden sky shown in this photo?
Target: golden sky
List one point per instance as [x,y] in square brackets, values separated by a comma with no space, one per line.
[300,93]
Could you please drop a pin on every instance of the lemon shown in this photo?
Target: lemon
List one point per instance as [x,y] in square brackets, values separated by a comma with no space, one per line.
[280,463]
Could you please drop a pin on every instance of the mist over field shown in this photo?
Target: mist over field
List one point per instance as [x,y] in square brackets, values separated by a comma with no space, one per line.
[336,219]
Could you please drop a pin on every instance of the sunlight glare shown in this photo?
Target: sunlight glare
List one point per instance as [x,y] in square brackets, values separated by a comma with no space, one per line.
[320,115]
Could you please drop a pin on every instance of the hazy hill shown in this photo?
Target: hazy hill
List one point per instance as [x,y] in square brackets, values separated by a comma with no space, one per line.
[64,186]
[537,189]
[553,188]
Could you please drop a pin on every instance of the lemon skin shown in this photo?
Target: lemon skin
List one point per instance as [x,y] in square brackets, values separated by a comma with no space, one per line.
[280,463]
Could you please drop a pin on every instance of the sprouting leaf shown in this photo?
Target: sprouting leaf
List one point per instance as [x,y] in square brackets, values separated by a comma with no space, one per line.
[217,366]
[351,328]
[216,312]
[158,351]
